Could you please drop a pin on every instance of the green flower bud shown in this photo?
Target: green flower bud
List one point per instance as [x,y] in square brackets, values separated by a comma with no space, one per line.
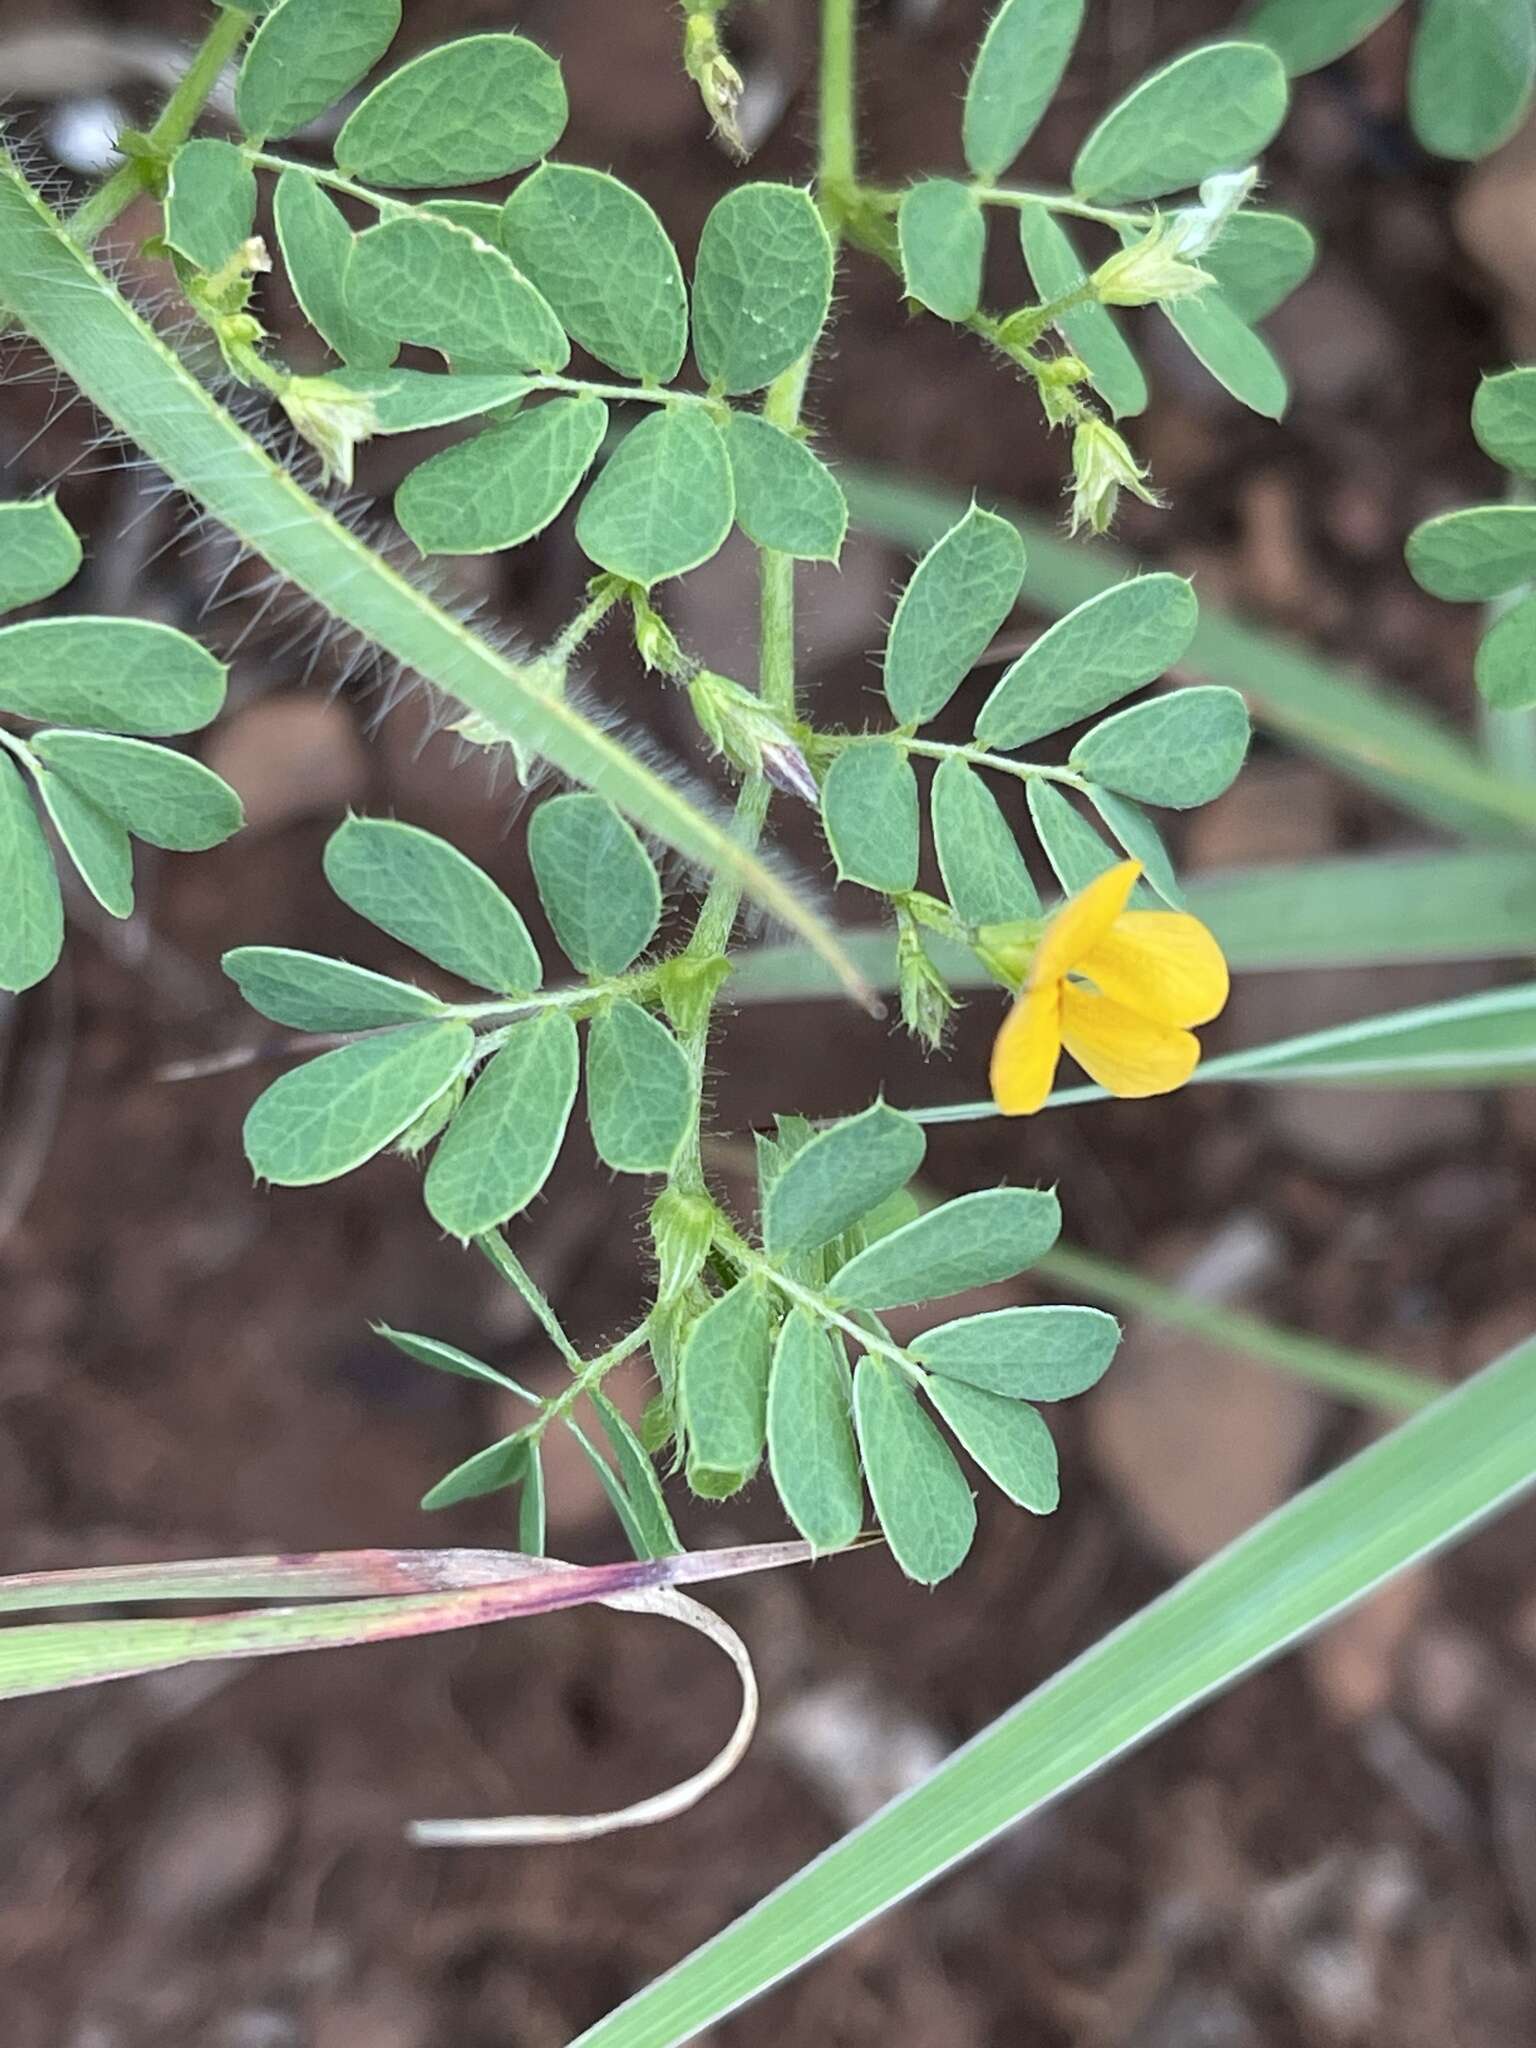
[682,1231]
[718,80]
[926,1002]
[1150,271]
[332,419]
[1102,467]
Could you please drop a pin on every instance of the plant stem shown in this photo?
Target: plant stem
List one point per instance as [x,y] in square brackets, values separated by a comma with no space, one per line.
[643,394]
[979,757]
[1060,202]
[170,130]
[747,1255]
[1351,1375]
[516,1274]
[264,160]
[837,164]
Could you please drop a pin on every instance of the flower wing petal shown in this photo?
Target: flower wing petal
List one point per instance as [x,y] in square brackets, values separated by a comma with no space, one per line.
[1082,921]
[1163,963]
[1026,1050]
[1125,1052]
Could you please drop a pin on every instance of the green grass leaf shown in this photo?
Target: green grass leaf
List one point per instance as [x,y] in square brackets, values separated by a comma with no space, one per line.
[429,896]
[664,502]
[506,484]
[970,1242]
[596,883]
[39,552]
[404,401]
[1258,261]
[305,56]
[32,929]
[640,1096]
[786,497]
[210,202]
[1214,109]
[98,847]
[920,1494]
[310,992]
[1503,419]
[317,243]
[1177,750]
[985,877]
[722,1390]
[163,797]
[1018,67]
[126,675]
[477,108]
[811,1451]
[762,285]
[1008,1439]
[334,1113]
[605,263]
[1090,331]
[942,233]
[1241,361]
[1114,643]
[838,1177]
[446,289]
[1027,1354]
[1506,660]
[955,600]
[869,806]
[1470,79]
[501,1147]
[1307,34]
[1475,553]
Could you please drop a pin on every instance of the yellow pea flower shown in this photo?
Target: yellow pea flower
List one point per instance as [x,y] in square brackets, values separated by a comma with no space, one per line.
[1119,989]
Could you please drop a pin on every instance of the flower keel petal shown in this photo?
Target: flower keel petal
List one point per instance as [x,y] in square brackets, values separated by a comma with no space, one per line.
[1162,963]
[1126,1053]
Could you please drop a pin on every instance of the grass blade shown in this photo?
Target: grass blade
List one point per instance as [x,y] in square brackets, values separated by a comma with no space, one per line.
[1452,1466]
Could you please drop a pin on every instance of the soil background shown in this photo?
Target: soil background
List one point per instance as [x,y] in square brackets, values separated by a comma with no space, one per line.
[1343,1850]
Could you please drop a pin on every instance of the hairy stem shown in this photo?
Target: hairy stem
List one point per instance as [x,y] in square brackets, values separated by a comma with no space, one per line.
[837,166]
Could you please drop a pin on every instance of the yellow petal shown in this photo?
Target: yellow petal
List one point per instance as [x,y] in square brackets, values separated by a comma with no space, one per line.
[1026,1050]
[1126,1053]
[1081,922]
[1163,963]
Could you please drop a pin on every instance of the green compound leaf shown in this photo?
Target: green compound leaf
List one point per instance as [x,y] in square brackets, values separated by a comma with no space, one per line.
[603,260]
[942,233]
[338,1111]
[210,202]
[761,286]
[1478,552]
[596,882]
[1075,851]
[786,497]
[955,600]
[665,501]
[125,675]
[1212,110]
[404,401]
[985,877]
[1097,654]
[310,992]
[1503,419]
[505,485]
[1139,837]
[869,807]
[98,847]
[1241,361]
[640,1096]
[317,245]
[431,1351]
[920,1495]
[39,552]
[1469,84]
[970,1242]
[722,1395]
[477,108]
[1019,65]
[426,894]
[635,1494]
[1506,661]
[838,1177]
[492,1470]
[1008,1440]
[306,56]
[811,1451]
[1027,1354]
[32,927]
[1258,261]
[448,290]
[1306,34]
[1178,751]
[161,796]
[1090,330]
[502,1145]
